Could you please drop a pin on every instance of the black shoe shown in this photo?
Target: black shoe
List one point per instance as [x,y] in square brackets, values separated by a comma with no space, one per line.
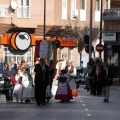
[104,100]
[47,100]
[43,103]
[107,100]
[62,101]
[68,101]
[38,104]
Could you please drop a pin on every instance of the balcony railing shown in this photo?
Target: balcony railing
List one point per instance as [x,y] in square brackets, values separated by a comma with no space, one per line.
[111,14]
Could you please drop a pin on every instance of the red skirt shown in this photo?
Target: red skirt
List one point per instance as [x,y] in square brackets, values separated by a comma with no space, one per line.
[63,92]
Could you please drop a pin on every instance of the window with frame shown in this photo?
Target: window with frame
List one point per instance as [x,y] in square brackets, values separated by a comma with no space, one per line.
[64,9]
[8,55]
[73,4]
[82,4]
[106,4]
[97,5]
[23,8]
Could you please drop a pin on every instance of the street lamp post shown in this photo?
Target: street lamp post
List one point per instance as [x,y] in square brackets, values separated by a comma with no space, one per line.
[44,19]
[100,25]
[90,38]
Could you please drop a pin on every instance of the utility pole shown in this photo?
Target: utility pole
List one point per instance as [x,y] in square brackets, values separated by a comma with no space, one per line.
[90,38]
[44,19]
[101,25]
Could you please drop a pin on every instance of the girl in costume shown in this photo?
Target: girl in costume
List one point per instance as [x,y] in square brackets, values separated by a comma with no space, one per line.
[63,92]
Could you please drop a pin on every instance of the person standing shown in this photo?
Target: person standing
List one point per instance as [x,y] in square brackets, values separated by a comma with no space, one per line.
[28,87]
[9,76]
[18,87]
[107,82]
[41,81]
[13,64]
[63,92]
[90,65]
[97,75]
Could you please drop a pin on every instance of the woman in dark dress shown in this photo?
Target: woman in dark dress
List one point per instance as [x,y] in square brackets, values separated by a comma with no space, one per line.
[41,81]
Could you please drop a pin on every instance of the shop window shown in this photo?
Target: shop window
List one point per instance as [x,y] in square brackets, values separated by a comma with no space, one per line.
[8,55]
[115,59]
[23,8]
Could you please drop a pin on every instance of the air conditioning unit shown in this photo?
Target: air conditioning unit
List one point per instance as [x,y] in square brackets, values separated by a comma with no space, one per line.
[2,12]
[74,13]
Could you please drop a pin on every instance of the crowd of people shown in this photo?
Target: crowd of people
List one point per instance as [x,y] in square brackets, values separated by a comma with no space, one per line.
[100,78]
[37,85]
[44,82]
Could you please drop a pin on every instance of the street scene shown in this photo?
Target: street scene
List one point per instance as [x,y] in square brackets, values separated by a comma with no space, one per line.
[82,107]
[59,59]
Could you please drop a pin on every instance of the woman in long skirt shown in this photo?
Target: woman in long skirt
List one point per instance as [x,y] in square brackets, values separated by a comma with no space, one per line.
[28,87]
[63,92]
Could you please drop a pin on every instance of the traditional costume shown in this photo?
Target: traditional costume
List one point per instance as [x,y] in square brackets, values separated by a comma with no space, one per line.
[63,91]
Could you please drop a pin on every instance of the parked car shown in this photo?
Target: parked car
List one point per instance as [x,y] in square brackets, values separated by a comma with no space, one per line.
[80,79]
[1,78]
[1,84]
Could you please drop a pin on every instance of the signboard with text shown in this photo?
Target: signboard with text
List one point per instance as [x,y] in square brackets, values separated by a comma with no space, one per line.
[109,37]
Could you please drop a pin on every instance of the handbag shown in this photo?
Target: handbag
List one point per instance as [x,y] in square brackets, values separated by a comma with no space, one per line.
[74,92]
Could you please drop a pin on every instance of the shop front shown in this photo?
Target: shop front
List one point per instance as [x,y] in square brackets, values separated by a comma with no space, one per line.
[112,51]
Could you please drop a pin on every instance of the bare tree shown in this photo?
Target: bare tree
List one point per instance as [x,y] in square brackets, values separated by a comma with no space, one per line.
[75,31]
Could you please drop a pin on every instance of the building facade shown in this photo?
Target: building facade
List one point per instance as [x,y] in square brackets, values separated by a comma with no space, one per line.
[31,16]
[111,36]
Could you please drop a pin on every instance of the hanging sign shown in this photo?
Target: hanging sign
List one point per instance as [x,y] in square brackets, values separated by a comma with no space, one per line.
[43,51]
[49,53]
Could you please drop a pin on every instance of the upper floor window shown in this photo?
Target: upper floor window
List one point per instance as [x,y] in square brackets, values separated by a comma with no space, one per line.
[107,2]
[97,5]
[74,11]
[82,4]
[73,4]
[64,9]
[23,8]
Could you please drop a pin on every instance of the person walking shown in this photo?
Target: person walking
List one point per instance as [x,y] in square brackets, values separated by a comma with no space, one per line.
[107,82]
[13,64]
[90,65]
[28,88]
[63,92]
[97,75]
[41,81]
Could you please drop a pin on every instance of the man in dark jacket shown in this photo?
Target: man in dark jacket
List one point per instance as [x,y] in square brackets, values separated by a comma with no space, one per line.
[41,81]
[97,75]
[107,82]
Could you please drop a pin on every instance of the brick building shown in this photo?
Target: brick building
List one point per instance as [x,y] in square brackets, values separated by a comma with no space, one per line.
[28,15]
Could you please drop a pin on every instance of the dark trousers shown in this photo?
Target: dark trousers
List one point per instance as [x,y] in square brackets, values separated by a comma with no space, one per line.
[8,94]
[40,92]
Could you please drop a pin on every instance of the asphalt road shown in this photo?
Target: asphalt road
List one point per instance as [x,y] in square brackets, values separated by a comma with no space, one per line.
[83,107]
